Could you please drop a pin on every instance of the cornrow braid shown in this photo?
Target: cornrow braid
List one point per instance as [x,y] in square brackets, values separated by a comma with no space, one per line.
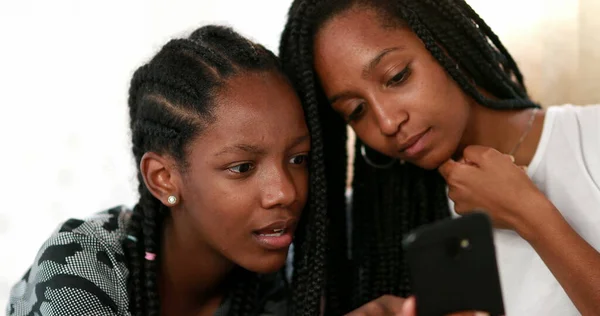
[389,204]
[171,101]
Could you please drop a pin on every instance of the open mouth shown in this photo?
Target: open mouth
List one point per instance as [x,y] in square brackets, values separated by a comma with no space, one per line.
[276,236]
[271,232]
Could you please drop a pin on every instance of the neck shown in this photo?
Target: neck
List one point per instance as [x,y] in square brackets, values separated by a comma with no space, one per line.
[193,275]
[502,130]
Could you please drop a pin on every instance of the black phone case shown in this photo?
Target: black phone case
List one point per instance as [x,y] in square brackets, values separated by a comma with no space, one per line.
[453,267]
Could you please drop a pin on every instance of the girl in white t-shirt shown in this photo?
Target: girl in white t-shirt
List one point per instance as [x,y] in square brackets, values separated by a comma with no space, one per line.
[430,90]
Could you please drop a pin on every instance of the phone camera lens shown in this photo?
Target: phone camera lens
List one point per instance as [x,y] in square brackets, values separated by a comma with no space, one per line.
[457,245]
[465,243]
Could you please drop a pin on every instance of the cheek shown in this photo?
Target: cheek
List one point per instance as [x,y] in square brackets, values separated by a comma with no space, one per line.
[448,103]
[457,113]
[232,202]
[450,122]
[222,207]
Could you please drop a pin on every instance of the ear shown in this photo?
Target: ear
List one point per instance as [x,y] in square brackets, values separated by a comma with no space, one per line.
[161,177]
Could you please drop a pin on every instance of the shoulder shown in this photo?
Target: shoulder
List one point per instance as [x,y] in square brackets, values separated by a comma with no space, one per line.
[574,124]
[570,137]
[80,269]
[588,114]
[582,122]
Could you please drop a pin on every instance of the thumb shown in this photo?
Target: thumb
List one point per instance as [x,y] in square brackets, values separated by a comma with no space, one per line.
[446,168]
[410,307]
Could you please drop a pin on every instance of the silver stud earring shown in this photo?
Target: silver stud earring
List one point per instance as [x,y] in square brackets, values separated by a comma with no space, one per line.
[172,199]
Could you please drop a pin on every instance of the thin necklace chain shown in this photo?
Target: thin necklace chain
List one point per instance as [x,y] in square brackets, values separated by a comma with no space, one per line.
[525,133]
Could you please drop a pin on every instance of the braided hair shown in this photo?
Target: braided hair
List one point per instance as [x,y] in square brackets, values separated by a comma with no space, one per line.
[387,204]
[171,101]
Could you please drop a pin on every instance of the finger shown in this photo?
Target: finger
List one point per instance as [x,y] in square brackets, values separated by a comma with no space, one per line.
[384,305]
[463,160]
[461,210]
[393,304]
[410,307]
[524,168]
[446,168]
[479,154]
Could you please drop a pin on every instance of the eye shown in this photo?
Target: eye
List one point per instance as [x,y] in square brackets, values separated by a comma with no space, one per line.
[399,77]
[299,159]
[241,168]
[356,113]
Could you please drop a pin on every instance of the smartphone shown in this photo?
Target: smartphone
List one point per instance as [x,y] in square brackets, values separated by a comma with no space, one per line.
[452,266]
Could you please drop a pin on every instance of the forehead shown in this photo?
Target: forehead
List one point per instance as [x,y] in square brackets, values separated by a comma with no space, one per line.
[360,30]
[349,42]
[255,107]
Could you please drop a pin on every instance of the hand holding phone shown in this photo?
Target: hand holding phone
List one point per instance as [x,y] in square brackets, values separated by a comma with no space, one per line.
[453,268]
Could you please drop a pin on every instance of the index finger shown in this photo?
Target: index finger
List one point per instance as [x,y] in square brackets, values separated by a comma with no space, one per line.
[446,168]
[410,307]
[392,303]
[478,154]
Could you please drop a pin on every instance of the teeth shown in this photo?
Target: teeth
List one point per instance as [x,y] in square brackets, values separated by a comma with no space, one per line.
[276,233]
[271,235]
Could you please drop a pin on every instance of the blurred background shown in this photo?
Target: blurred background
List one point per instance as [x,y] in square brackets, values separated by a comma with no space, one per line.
[65,67]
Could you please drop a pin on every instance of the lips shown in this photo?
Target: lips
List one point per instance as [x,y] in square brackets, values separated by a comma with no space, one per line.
[275,228]
[276,235]
[271,232]
[412,140]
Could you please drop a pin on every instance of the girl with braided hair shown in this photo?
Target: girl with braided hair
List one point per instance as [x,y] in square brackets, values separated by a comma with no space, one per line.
[222,147]
[444,126]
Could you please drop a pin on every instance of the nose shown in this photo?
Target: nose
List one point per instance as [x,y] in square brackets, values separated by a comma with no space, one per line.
[279,189]
[389,116]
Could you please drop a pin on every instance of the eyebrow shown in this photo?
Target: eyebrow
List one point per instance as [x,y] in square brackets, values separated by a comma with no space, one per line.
[375,61]
[256,150]
[299,140]
[242,147]
[365,72]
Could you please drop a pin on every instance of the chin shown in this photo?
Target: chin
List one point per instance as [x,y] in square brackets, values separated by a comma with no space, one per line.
[265,264]
[430,162]
[427,165]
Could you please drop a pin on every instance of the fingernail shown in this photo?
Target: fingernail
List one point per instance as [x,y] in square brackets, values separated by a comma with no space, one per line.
[512,158]
[482,314]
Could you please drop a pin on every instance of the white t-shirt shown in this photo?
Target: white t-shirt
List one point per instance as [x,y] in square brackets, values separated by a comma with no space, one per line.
[566,168]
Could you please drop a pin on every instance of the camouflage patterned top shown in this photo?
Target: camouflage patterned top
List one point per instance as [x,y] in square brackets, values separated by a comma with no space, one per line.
[81,270]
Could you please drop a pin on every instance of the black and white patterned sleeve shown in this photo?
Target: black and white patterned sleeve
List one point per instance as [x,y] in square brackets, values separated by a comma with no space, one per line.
[76,272]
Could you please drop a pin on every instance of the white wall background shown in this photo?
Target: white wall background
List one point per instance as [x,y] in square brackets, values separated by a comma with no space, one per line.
[65,67]
[555,42]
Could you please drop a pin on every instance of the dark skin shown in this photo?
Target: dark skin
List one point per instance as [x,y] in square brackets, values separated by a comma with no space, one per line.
[246,170]
[395,94]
